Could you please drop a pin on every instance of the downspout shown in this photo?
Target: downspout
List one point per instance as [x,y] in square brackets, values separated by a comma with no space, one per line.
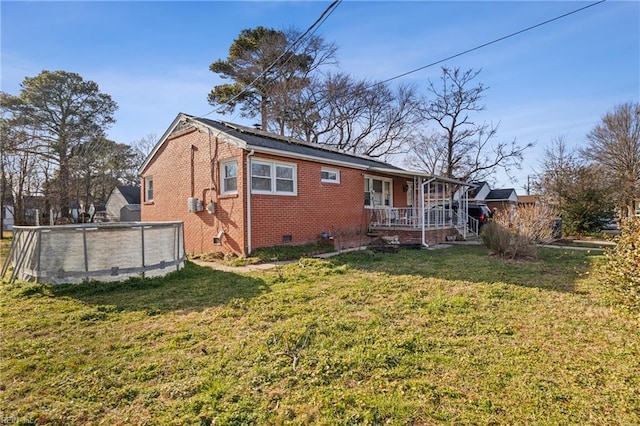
[248,190]
[210,170]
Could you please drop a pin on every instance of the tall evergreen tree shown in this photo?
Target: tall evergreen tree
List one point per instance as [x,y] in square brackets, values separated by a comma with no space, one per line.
[61,111]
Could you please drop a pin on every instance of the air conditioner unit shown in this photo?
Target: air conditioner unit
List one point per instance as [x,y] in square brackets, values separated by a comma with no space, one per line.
[194,205]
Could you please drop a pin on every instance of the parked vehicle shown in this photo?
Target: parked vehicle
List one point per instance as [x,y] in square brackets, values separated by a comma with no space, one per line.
[480,212]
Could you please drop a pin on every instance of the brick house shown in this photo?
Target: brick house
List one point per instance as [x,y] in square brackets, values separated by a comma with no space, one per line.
[237,189]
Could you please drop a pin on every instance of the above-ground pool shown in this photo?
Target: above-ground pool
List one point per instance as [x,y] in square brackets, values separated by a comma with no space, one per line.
[100,251]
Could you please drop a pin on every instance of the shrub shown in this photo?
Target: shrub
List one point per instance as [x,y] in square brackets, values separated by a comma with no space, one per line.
[516,233]
[622,266]
[496,237]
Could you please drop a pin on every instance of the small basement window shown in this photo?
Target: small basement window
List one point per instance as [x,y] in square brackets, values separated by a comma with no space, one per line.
[286,239]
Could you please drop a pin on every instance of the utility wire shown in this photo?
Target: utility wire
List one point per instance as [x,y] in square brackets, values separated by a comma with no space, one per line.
[311,30]
[486,44]
[291,49]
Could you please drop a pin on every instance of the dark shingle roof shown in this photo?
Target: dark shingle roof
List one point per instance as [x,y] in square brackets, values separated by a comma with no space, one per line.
[259,139]
[130,193]
[474,191]
[500,194]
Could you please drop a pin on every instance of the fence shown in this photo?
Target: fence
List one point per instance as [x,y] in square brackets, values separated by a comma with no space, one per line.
[101,252]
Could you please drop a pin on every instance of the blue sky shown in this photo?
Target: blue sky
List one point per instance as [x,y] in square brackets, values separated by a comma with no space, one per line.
[153,57]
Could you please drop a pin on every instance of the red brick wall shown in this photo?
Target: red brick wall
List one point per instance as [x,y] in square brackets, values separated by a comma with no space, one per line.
[171,171]
[335,208]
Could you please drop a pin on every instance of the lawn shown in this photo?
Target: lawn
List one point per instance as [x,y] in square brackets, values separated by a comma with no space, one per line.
[420,337]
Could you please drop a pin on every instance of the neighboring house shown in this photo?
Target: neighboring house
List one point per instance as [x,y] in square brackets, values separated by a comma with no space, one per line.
[123,204]
[236,189]
[502,199]
[495,199]
[480,192]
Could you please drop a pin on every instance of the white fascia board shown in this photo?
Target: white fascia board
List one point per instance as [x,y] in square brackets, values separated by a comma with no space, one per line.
[160,142]
[286,154]
[396,172]
[424,175]
[182,117]
[239,143]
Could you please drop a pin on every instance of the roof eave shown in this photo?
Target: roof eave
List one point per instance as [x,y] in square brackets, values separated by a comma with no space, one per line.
[160,142]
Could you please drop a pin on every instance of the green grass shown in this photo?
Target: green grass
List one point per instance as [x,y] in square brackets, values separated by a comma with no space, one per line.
[449,336]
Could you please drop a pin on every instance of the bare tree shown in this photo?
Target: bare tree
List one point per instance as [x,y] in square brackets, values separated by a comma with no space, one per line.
[559,166]
[614,145]
[574,189]
[21,168]
[145,145]
[468,149]
[428,153]
[356,116]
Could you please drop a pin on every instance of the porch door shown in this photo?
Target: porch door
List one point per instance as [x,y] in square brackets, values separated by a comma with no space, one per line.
[377,192]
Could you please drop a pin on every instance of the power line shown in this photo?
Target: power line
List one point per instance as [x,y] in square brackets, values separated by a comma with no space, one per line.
[487,44]
[291,49]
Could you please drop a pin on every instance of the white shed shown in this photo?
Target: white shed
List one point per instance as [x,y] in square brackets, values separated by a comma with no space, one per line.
[123,204]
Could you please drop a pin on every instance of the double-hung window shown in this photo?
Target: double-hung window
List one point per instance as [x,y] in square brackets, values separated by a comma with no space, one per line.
[148,189]
[271,177]
[229,176]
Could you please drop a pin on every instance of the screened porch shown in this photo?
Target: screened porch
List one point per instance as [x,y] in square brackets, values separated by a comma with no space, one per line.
[432,203]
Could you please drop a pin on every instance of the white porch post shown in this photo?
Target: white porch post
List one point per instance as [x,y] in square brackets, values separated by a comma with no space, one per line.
[465,202]
[426,183]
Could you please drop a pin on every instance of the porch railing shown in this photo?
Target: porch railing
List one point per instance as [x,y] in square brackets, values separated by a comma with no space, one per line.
[409,217]
[387,217]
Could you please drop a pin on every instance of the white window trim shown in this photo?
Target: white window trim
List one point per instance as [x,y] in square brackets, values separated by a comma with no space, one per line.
[223,177]
[148,179]
[273,165]
[330,170]
[370,206]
